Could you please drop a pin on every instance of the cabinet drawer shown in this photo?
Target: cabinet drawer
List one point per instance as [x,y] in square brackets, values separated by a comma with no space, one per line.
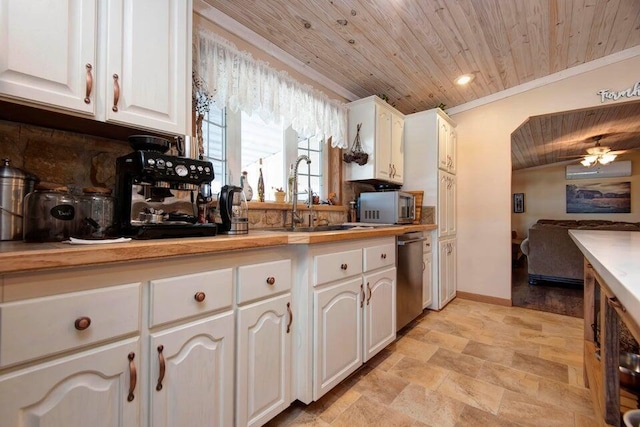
[263,280]
[339,265]
[41,326]
[426,245]
[186,296]
[379,256]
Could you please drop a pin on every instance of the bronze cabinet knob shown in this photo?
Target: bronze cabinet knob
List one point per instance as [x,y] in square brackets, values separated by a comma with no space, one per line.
[200,296]
[82,323]
[271,280]
[343,266]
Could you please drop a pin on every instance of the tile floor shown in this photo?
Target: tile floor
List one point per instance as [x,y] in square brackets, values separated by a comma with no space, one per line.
[471,364]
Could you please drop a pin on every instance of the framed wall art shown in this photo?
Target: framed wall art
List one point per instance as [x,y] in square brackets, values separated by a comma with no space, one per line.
[610,197]
[518,202]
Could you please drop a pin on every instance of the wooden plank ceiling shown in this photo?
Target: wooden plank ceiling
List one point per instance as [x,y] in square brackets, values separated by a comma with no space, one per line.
[548,139]
[412,50]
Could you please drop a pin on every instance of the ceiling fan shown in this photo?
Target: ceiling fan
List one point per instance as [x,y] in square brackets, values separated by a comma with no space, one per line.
[599,154]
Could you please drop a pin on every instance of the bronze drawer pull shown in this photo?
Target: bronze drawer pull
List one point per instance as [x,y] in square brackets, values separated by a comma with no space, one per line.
[162,367]
[290,317]
[133,376]
[200,296]
[116,93]
[362,291]
[82,323]
[613,302]
[369,297]
[271,280]
[343,266]
[87,95]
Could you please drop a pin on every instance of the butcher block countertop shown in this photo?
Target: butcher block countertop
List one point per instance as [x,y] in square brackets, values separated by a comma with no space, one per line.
[20,257]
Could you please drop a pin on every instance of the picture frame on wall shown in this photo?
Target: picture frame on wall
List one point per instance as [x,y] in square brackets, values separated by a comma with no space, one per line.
[518,202]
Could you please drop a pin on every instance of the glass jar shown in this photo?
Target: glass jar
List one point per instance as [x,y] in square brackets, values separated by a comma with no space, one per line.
[95,213]
[49,214]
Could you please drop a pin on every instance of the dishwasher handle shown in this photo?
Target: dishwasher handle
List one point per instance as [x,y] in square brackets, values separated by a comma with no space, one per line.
[407,242]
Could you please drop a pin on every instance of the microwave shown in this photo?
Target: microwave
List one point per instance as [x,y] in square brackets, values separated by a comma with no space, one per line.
[388,207]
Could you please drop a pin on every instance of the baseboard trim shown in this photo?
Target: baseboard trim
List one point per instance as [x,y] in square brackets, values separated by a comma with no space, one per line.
[484,298]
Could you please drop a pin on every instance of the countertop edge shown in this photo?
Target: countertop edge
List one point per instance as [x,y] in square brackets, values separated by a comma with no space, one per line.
[16,257]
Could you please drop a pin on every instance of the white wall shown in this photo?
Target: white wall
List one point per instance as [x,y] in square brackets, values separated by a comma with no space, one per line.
[545,194]
[484,169]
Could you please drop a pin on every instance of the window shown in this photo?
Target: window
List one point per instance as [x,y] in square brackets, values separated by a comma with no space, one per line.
[262,142]
[311,147]
[214,131]
[235,142]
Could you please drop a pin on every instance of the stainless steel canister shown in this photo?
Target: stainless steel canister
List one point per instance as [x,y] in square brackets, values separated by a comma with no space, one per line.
[15,184]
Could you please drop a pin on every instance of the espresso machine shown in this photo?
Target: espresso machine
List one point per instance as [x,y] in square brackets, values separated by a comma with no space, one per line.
[156,195]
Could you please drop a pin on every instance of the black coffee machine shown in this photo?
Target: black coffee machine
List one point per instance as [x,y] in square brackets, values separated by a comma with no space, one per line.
[156,194]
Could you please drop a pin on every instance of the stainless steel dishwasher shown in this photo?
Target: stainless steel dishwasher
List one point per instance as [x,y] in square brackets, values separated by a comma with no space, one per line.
[409,286]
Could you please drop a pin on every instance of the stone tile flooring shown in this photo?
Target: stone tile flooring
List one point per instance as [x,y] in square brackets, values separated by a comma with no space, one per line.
[469,365]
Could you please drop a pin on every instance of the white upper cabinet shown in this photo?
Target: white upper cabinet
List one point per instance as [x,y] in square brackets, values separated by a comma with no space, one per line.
[146,66]
[48,53]
[121,61]
[446,145]
[381,136]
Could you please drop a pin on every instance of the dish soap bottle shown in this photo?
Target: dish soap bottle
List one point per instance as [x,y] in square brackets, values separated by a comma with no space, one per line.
[246,188]
[260,184]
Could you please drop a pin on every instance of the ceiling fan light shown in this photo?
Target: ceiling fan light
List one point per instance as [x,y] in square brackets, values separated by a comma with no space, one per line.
[606,158]
[585,162]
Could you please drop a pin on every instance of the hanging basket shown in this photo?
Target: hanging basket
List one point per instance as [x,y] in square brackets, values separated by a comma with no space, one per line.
[356,154]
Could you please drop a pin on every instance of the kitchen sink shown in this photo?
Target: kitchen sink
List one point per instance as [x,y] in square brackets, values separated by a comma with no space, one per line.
[334,227]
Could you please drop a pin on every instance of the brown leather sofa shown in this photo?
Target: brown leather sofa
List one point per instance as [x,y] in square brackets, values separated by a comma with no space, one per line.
[551,254]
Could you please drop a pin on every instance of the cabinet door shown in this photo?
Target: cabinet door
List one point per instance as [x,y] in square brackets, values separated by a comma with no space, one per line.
[48,52]
[427,270]
[379,311]
[337,313]
[263,360]
[196,387]
[452,147]
[443,136]
[451,270]
[86,389]
[443,276]
[443,186]
[384,125]
[397,149]
[147,62]
[451,207]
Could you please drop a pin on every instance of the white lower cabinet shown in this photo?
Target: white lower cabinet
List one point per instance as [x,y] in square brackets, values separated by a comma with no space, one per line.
[263,360]
[379,311]
[337,333]
[191,373]
[447,271]
[97,388]
[352,288]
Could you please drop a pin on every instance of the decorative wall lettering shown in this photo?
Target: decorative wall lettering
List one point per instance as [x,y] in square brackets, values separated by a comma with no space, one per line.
[606,94]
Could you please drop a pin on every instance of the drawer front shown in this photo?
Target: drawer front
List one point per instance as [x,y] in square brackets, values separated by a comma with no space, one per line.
[330,267]
[379,256]
[182,297]
[42,326]
[259,281]
[427,244]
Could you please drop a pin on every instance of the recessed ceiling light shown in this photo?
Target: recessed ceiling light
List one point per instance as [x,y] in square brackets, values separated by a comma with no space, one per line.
[464,79]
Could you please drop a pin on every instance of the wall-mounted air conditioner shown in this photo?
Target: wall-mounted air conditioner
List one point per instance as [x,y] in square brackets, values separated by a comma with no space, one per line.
[610,170]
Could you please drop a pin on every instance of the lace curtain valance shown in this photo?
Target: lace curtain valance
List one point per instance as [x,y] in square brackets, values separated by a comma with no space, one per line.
[239,82]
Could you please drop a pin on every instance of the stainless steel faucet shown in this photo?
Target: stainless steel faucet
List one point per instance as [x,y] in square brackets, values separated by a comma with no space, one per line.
[295,218]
